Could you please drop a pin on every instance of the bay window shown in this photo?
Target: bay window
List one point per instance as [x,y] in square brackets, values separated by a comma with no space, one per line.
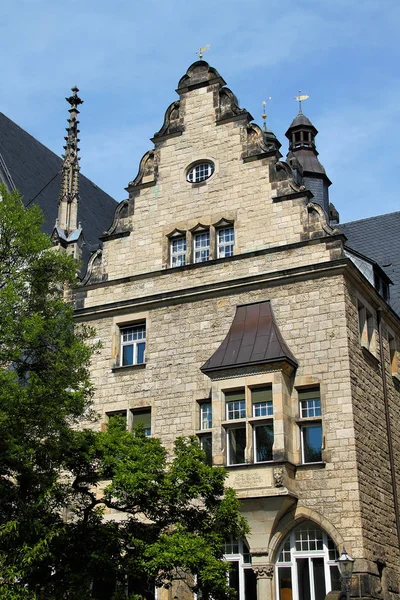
[252,430]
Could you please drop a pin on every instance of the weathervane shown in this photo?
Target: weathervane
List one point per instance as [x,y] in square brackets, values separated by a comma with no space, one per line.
[264,115]
[300,99]
[202,50]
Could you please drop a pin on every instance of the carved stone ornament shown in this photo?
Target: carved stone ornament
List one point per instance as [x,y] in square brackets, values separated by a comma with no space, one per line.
[278,474]
[120,213]
[173,122]
[316,219]
[256,143]
[199,74]
[147,170]
[94,261]
[264,571]
[229,106]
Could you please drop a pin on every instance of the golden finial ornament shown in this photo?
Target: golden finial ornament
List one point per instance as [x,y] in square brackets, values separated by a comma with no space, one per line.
[201,51]
[300,98]
[264,113]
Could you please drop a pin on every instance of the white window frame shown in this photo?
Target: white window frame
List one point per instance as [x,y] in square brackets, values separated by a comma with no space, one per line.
[134,343]
[308,554]
[177,256]
[233,407]
[205,416]
[310,407]
[222,245]
[239,558]
[200,172]
[201,251]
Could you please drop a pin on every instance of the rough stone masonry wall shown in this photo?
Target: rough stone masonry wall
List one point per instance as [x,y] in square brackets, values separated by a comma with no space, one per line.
[379,534]
[181,337]
[237,190]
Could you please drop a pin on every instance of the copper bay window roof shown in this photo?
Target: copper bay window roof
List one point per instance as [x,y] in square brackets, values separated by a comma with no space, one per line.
[254,338]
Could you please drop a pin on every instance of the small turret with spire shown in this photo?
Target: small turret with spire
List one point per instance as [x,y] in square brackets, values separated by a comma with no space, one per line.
[67,231]
[303,157]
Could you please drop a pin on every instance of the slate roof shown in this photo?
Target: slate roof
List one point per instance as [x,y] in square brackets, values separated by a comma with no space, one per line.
[35,170]
[254,338]
[300,120]
[379,239]
[308,160]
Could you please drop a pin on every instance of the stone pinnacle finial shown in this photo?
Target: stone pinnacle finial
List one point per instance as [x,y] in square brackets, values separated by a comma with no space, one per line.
[69,189]
[264,114]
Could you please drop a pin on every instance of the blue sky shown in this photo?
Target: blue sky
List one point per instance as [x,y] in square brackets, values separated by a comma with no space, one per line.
[127,56]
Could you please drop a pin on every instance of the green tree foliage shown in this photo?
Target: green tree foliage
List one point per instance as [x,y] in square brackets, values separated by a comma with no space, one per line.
[84,512]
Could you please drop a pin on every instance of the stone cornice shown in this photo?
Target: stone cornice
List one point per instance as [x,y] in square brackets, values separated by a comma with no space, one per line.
[215,289]
[205,265]
[293,196]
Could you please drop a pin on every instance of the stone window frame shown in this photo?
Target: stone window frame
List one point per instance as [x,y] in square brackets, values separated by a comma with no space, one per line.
[367,325]
[289,552]
[238,551]
[304,422]
[129,415]
[118,323]
[197,231]
[135,412]
[222,225]
[249,423]
[134,343]
[284,425]
[204,434]
[189,235]
[393,348]
[199,164]
[175,235]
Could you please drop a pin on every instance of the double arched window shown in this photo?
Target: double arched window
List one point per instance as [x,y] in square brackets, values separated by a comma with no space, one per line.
[306,568]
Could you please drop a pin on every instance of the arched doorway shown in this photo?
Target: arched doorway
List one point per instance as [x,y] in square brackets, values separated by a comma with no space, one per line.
[306,568]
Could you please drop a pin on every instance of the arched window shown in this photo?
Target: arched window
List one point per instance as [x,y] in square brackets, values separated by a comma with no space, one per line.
[306,568]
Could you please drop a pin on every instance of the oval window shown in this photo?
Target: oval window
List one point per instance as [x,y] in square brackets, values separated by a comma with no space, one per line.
[200,172]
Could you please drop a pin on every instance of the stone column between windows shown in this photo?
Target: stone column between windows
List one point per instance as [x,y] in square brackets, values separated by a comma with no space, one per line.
[264,574]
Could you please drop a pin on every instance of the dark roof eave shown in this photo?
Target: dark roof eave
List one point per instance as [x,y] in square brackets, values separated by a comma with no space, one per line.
[243,365]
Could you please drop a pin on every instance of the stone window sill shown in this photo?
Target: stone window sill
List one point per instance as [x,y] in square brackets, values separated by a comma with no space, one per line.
[368,354]
[128,368]
[313,465]
[396,379]
[269,463]
[301,420]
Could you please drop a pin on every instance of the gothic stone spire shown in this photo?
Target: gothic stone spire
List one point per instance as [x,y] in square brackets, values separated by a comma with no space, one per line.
[69,189]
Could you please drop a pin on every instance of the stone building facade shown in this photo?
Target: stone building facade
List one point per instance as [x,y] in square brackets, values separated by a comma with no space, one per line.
[229,307]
